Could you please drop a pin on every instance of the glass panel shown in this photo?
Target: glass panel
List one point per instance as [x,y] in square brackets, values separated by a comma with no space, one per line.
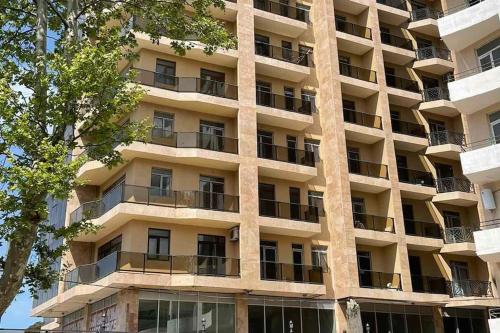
[226,318]
[383,322]
[255,319]
[325,321]
[274,319]
[187,317]
[292,315]
[148,313]
[309,320]
[168,317]
[208,320]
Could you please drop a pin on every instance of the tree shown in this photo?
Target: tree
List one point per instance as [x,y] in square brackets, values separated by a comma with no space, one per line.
[60,97]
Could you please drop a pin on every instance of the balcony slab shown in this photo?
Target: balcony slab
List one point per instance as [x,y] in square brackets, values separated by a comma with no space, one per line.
[418,192]
[284,170]
[353,44]
[284,119]
[409,142]
[456,198]
[423,243]
[482,165]
[281,69]
[358,88]
[487,245]
[464,249]
[278,24]
[368,184]
[391,15]
[279,226]
[354,7]
[397,55]
[434,66]
[374,238]
[403,97]
[439,107]
[448,151]
[428,26]
[363,134]
[289,289]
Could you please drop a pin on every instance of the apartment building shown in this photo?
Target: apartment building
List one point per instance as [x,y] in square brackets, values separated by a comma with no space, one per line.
[472,31]
[309,181]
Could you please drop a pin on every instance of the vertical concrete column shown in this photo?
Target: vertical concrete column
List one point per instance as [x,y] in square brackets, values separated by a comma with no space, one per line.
[127,311]
[248,171]
[342,250]
[437,315]
[241,314]
[86,318]
[390,154]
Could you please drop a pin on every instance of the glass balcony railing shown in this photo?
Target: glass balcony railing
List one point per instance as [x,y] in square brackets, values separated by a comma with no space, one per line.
[436,94]
[454,184]
[396,41]
[422,229]
[408,128]
[482,143]
[283,9]
[432,52]
[353,29]
[379,280]
[461,6]
[428,284]
[363,119]
[416,177]
[373,222]
[206,141]
[152,263]
[367,168]
[401,83]
[399,4]
[445,137]
[186,84]
[454,235]
[284,54]
[286,103]
[290,211]
[488,65]
[359,73]
[155,196]
[469,288]
[277,271]
[490,224]
[286,154]
[425,13]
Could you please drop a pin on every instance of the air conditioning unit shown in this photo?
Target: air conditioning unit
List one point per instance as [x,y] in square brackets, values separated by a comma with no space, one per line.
[234,234]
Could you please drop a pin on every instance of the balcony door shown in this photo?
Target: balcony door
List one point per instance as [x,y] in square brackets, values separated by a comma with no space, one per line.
[409,219]
[460,278]
[495,126]
[211,135]
[211,254]
[264,95]
[353,160]
[358,212]
[289,93]
[212,192]
[390,76]
[107,257]
[489,55]
[267,201]
[365,269]
[438,134]
[294,193]
[402,164]
[385,35]
[165,74]
[212,83]
[161,183]
[349,109]
[298,262]
[286,50]
[265,146]
[163,126]
[345,65]
[417,281]
[291,143]
[269,259]
[262,46]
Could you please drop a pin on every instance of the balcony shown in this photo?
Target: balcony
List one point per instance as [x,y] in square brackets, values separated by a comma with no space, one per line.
[409,136]
[486,240]
[394,12]
[373,222]
[363,127]
[285,163]
[357,81]
[465,24]
[437,101]
[193,93]
[446,144]
[455,191]
[281,18]
[379,280]
[477,88]
[416,184]
[397,50]
[428,284]
[277,271]
[126,202]
[459,235]
[290,211]
[424,20]
[402,91]
[469,288]
[368,176]
[284,111]
[423,235]
[494,320]
[434,60]
[481,161]
[353,38]
[282,63]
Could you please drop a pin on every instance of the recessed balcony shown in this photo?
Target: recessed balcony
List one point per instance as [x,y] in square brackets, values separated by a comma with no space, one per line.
[469,288]
[368,177]
[434,60]
[428,284]
[379,280]
[481,161]
[357,81]
[446,144]
[486,240]
[353,38]
[402,91]
[373,230]
[409,136]
[286,272]
[286,163]
[424,20]
[362,127]
[394,12]
[416,184]
[127,202]
[282,63]
[192,93]
[457,191]
[437,101]
[423,235]
[284,111]
[465,24]
[281,18]
[397,50]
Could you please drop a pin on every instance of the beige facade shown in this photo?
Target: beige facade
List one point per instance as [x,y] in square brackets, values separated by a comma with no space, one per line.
[318,163]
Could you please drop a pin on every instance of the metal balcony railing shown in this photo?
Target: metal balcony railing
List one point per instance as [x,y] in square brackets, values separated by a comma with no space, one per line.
[290,211]
[432,52]
[358,72]
[423,229]
[283,9]
[401,83]
[436,94]
[399,4]
[428,284]
[465,4]
[367,168]
[483,68]
[353,29]
[155,196]
[416,177]
[277,271]
[363,119]
[186,84]
[286,154]
[286,103]
[408,128]
[372,222]
[284,54]
[206,141]
[425,13]
[396,41]
[379,280]
[494,313]
[152,263]
[482,143]
[469,288]
[446,137]
[490,224]
[459,235]
[454,184]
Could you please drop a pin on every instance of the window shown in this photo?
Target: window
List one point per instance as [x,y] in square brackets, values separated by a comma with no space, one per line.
[312,145]
[306,56]
[262,46]
[489,55]
[264,95]
[163,124]
[319,256]
[106,249]
[165,72]
[158,242]
[495,126]
[308,101]
[315,199]
[161,182]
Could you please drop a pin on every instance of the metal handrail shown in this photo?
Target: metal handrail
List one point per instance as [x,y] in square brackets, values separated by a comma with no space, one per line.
[366,168]
[489,224]
[408,128]
[399,4]
[358,72]
[285,154]
[353,29]
[286,103]
[494,313]
[472,71]
[278,271]
[425,13]
[401,83]
[454,184]
[186,84]
[469,288]
[438,138]
[283,9]
[373,222]
[482,143]
[206,141]
[428,284]
[427,229]
[435,94]
[361,118]
[290,211]
[416,177]
[431,52]
[283,54]
[462,234]
[466,4]
[396,41]
[379,280]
